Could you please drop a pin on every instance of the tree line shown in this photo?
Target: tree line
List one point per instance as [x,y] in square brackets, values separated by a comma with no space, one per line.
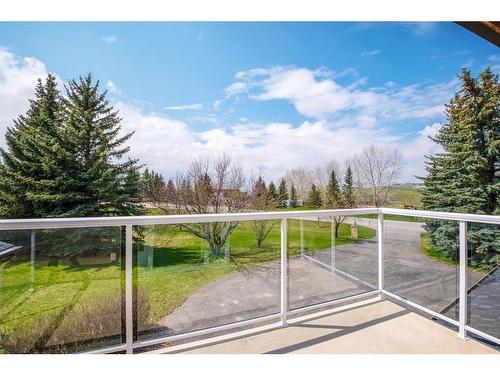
[66,157]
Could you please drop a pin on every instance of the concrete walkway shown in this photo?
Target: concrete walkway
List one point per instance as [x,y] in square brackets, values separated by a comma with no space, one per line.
[256,292]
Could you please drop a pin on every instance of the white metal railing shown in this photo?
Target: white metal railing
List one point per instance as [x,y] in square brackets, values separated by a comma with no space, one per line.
[129,221]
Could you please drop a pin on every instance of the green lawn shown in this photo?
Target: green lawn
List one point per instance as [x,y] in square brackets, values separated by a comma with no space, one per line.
[76,302]
[431,252]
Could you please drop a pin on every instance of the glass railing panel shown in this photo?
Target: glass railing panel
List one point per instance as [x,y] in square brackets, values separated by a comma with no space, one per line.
[483,300]
[421,262]
[185,284]
[60,290]
[329,258]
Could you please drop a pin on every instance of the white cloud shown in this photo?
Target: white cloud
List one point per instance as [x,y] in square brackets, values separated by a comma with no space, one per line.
[169,145]
[112,88]
[236,88]
[109,39]
[196,106]
[317,97]
[415,150]
[370,53]
[18,77]
[495,61]
[422,28]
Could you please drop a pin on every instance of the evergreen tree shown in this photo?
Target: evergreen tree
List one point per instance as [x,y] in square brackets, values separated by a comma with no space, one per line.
[152,184]
[63,160]
[29,163]
[272,194]
[259,194]
[282,193]
[334,197]
[262,201]
[348,189]
[293,196]
[314,197]
[170,191]
[96,182]
[465,177]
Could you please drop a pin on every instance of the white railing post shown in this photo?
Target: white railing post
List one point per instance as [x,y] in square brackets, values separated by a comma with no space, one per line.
[301,238]
[332,247]
[462,305]
[284,274]
[380,236]
[129,333]
[32,260]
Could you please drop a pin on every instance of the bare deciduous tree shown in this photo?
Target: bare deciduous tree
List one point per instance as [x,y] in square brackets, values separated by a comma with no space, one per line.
[303,178]
[376,169]
[207,187]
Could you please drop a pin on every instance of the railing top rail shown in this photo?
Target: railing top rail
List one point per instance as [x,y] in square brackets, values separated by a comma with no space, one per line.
[455,216]
[86,222]
[89,222]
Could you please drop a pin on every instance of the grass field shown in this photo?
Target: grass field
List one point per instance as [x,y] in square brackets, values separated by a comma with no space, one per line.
[75,302]
[431,252]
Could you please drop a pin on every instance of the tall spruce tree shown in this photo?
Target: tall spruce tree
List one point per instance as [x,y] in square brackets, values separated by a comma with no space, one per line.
[96,181]
[63,160]
[334,197]
[314,197]
[348,189]
[259,195]
[293,196]
[272,194]
[29,163]
[465,177]
[282,193]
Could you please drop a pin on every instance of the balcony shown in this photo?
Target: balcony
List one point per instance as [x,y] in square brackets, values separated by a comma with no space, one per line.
[142,284]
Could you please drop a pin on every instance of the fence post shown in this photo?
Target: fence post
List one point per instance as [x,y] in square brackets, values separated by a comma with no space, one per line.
[284,274]
[462,312]
[380,236]
[129,333]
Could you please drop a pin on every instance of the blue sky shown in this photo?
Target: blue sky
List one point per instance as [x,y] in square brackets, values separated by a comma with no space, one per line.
[276,95]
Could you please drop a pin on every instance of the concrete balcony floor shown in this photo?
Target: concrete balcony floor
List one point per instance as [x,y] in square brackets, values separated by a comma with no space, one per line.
[368,327]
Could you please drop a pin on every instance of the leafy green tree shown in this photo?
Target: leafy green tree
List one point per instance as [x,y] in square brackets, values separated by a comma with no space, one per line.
[293,196]
[465,177]
[282,193]
[314,197]
[348,189]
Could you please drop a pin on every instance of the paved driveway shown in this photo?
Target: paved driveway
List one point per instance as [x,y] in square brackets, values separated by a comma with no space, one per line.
[256,292]
[407,272]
